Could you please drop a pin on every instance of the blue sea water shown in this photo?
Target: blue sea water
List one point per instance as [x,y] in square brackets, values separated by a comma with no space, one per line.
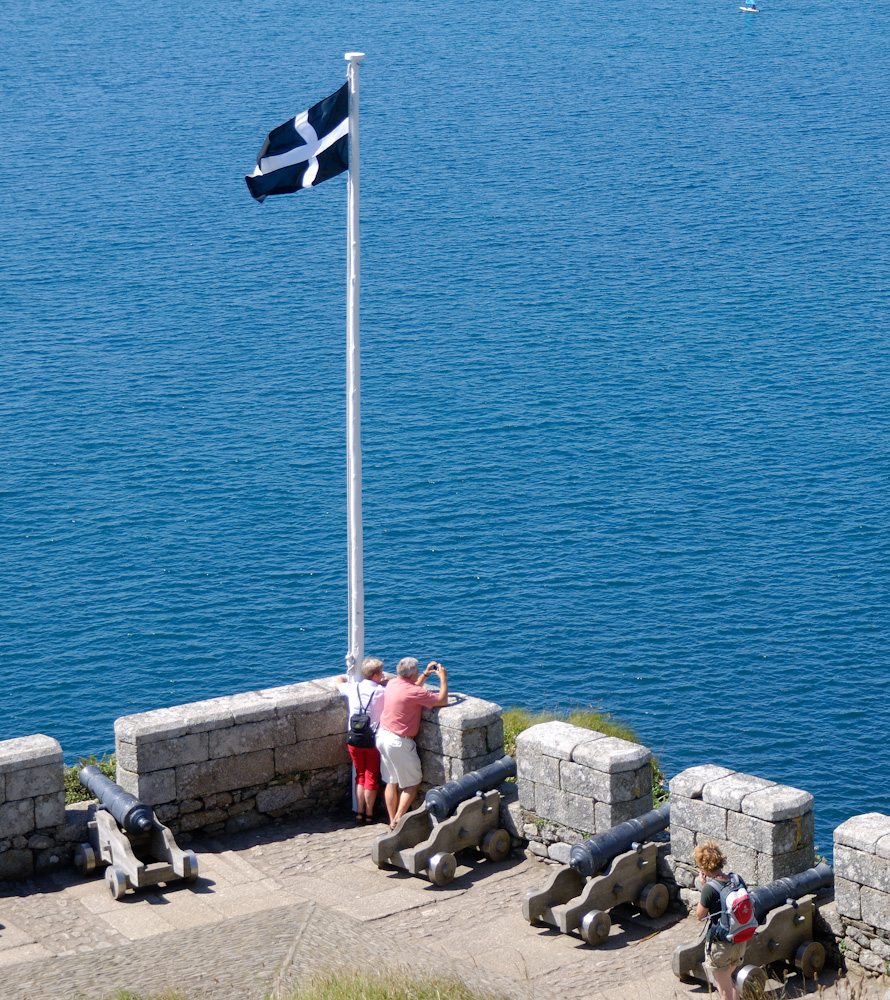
[626,385]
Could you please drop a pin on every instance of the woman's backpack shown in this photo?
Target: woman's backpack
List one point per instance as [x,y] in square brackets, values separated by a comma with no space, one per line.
[736,921]
[361,729]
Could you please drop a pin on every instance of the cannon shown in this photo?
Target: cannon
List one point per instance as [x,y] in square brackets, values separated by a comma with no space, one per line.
[613,867]
[128,840]
[459,814]
[784,910]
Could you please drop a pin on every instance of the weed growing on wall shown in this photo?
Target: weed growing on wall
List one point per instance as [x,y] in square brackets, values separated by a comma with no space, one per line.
[74,790]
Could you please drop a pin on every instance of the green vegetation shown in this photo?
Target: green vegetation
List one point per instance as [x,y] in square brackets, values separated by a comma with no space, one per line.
[359,985]
[75,792]
[518,719]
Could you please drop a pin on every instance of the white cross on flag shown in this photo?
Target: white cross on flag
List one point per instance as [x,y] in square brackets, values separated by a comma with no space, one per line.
[305,150]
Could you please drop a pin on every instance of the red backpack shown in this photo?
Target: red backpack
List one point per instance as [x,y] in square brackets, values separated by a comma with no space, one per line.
[736,921]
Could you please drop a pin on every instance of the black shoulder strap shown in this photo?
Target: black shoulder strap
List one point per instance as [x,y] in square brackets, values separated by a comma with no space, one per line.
[358,693]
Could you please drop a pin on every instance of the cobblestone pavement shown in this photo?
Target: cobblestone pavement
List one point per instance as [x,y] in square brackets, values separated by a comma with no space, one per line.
[275,904]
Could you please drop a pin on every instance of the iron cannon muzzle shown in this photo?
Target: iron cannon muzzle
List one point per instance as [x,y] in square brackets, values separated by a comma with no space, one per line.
[442,801]
[131,814]
[775,894]
[596,854]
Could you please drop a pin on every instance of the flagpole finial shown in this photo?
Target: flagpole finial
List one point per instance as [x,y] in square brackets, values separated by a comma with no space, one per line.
[354,56]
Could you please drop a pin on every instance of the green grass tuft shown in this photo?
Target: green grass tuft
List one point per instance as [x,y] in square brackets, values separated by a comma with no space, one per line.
[75,792]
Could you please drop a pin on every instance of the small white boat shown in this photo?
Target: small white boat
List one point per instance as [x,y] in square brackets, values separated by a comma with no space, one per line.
[750,10]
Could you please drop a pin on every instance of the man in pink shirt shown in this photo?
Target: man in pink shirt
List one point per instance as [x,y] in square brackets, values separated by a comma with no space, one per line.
[404,699]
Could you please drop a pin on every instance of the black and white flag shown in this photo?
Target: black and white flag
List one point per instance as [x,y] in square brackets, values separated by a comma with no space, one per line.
[304,151]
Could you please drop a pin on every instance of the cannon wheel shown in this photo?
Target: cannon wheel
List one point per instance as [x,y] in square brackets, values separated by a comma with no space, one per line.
[654,899]
[750,982]
[191,867]
[595,926]
[116,880]
[84,858]
[442,868]
[809,959]
[496,844]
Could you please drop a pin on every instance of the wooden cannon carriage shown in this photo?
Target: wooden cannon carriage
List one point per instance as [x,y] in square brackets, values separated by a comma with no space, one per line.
[457,815]
[126,836]
[613,867]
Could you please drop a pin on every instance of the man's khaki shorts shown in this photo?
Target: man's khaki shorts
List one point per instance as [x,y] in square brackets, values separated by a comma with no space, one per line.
[725,955]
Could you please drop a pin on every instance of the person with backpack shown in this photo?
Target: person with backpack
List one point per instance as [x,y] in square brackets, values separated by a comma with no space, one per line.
[365,700]
[726,905]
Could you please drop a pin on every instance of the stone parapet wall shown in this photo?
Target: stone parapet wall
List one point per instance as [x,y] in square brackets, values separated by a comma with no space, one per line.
[766,830]
[574,782]
[34,835]
[231,763]
[862,891]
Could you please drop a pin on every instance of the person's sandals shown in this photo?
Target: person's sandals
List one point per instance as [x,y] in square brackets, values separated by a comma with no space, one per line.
[360,819]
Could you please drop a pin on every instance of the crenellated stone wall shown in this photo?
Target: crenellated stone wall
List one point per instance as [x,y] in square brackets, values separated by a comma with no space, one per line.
[765,829]
[231,763]
[862,891]
[34,833]
[574,782]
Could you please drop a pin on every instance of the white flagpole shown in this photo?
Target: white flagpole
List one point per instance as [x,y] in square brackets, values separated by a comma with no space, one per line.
[356,650]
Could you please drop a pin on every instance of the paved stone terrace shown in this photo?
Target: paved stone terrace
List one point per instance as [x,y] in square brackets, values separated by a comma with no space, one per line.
[273,905]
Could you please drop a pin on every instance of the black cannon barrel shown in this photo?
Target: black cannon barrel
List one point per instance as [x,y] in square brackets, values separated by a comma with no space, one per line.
[131,814]
[595,854]
[442,801]
[768,897]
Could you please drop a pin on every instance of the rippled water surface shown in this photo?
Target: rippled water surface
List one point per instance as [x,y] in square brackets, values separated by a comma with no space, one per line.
[625,368]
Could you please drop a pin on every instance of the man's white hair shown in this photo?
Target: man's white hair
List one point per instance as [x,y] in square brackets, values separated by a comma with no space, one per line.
[407,667]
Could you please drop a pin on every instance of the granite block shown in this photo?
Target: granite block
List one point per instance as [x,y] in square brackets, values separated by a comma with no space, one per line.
[305,698]
[781,837]
[49,810]
[459,743]
[690,783]
[863,832]
[620,786]
[250,736]
[147,727]
[307,755]
[330,720]
[682,842]
[846,898]
[699,816]
[464,712]
[612,755]
[770,867]
[564,808]
[152,788]
[158,755]
[609,814]
[554,739]
[224,774]
[434,767]
[494,737]
[858,866]
[27,782]
[29,751]
[730,790]
[279,797]
[875,908]
[538,767]
[527,797]
[16,818]
[459,767]
[777,802]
